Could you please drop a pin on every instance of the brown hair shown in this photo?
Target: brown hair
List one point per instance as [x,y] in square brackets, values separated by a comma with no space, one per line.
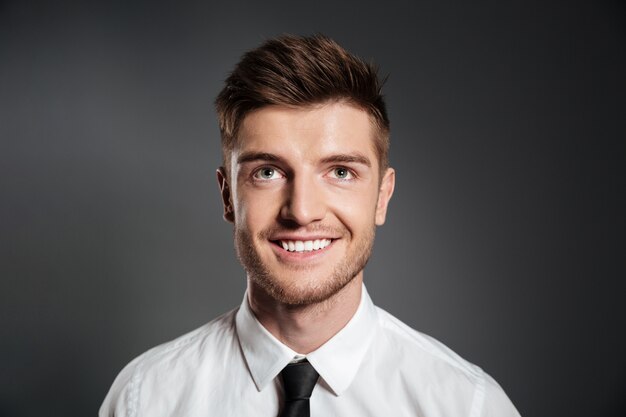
[298,71]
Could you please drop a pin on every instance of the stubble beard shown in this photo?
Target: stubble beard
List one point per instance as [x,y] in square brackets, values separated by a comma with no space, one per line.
[292,292]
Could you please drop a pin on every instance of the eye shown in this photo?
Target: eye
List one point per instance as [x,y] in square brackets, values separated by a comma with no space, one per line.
[342,173]
[267,173]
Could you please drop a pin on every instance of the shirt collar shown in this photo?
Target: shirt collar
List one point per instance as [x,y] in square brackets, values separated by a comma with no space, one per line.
[337,361]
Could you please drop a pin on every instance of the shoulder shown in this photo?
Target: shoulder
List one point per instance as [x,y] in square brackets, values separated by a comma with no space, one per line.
[447,373]
[176,356]
[429,349]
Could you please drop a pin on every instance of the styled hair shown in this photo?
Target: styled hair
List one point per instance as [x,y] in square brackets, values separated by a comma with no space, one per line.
[300,71]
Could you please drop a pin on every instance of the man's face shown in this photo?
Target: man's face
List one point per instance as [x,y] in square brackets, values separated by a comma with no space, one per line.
[305,197]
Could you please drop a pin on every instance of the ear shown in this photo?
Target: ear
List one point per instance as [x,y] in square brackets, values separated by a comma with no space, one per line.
[227,201]
[384,195]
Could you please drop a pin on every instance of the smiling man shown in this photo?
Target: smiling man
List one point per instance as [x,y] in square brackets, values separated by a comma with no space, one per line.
[305,183]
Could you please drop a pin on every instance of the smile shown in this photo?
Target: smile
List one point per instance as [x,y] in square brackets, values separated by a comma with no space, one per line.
[304,245]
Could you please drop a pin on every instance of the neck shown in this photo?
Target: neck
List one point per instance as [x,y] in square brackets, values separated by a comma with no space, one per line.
[304,328]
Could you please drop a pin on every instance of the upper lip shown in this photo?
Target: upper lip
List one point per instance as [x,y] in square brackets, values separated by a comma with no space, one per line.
[301,237]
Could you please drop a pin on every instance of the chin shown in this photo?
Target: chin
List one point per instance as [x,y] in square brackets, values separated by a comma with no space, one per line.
[303,292]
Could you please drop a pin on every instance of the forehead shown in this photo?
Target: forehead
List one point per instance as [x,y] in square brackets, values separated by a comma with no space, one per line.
[309,132]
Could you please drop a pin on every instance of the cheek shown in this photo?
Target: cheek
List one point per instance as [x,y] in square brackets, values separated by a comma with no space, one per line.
[356,207]
[256,209]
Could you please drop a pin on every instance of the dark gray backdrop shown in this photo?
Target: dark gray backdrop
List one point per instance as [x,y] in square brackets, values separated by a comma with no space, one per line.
[505,239]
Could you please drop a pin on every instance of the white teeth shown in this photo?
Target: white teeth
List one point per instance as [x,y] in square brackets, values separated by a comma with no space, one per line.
[304,245]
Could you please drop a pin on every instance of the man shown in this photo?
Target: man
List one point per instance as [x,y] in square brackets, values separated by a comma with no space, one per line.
[305,182]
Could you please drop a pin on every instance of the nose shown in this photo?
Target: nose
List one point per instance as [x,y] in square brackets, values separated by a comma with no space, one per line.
[304,201]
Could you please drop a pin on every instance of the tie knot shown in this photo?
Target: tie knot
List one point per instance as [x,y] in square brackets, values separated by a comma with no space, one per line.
[299,380]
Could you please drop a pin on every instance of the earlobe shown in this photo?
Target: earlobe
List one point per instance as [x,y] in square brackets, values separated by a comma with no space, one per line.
[227,203]
[385,192]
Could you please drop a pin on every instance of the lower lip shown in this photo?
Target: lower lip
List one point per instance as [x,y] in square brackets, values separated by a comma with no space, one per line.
[300,256]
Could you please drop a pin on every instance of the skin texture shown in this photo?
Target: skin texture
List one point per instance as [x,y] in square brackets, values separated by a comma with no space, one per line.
[305,174]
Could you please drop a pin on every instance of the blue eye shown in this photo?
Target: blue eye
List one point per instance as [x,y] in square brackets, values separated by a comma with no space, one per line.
[267,173]
[342,173]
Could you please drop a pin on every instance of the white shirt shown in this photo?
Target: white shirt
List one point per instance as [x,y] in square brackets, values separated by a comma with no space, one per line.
[375,366]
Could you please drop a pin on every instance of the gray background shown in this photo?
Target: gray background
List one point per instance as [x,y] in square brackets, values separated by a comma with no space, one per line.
[505,239]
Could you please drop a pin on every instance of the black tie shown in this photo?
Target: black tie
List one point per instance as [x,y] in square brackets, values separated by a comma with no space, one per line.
[299,380]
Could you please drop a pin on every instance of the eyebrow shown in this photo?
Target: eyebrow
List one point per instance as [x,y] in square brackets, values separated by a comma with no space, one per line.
[257,156]
[354,158]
